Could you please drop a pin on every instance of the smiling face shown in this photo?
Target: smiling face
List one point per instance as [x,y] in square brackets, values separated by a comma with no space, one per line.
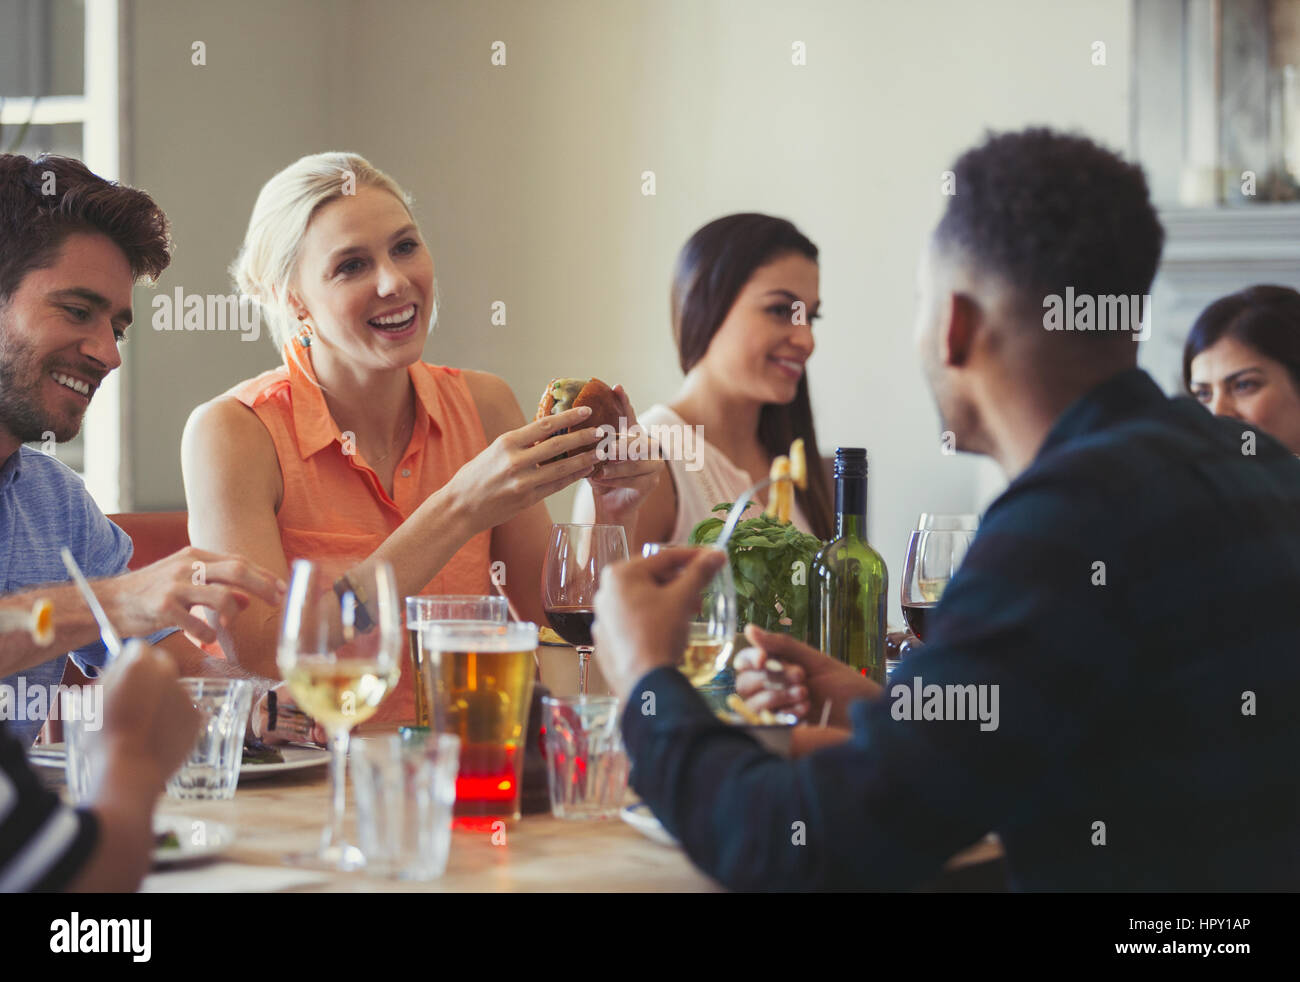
[760,351]
[1231,378]
[58,338]
[365,281]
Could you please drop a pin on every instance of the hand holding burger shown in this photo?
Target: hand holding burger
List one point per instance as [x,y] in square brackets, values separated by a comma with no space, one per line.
[619,483]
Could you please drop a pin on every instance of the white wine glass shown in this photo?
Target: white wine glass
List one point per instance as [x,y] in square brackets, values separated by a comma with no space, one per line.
[712,636]
[340,653]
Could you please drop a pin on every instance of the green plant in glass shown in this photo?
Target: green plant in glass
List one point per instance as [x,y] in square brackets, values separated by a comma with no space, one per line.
[770,561]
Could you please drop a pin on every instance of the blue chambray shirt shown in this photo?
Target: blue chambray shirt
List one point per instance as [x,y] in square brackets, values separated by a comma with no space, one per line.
[44,506]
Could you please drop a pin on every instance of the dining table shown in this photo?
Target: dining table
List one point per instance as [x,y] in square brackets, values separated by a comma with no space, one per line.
[279,815]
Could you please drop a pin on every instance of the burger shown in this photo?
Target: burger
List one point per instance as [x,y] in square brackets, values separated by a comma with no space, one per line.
[570,393]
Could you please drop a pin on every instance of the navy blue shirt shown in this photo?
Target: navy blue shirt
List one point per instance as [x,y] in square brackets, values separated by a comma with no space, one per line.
[1133,597]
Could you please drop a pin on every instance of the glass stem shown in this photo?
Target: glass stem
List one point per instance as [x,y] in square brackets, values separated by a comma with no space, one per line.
[584,658]
[338,787]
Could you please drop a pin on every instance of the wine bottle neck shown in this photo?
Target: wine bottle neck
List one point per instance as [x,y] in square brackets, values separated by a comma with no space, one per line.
[851,507]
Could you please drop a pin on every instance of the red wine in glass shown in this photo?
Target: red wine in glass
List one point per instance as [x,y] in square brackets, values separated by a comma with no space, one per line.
[933,556]
[916,615]
[572,623]
[575,557]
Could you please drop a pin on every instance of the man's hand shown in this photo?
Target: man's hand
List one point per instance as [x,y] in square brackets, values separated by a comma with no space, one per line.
[161,595]
[643,612]
[810,679]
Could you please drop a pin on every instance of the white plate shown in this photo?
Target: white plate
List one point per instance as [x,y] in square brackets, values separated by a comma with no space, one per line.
[196,839]
[295,759]
[641,818]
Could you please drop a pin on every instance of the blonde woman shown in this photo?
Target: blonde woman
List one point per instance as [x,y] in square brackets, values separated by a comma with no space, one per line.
[354,449]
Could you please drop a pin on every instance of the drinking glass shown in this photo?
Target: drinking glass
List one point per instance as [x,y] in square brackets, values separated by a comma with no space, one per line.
[83,758]
[211,771]
[712,634]
[586,765]
[575,557]
[939,521]
[340,653]
[933,556]
[405,790]
[483,675]
[421,612]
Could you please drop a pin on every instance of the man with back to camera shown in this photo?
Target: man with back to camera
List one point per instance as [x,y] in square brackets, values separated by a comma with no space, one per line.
[1130,596]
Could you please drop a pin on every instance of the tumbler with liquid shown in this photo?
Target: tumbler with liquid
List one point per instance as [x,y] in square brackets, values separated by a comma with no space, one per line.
[480,676]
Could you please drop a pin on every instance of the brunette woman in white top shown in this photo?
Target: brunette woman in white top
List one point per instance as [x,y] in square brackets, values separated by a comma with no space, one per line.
[744,298]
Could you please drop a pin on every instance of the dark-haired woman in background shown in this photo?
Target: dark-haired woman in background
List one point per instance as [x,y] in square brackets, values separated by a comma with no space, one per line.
[1242,359]
[744,297]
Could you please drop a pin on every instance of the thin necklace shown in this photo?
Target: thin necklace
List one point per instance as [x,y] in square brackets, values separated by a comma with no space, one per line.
[400,443]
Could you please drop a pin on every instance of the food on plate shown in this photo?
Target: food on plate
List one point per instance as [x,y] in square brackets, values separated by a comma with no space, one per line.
[741,714]
[166,840]
[258,752]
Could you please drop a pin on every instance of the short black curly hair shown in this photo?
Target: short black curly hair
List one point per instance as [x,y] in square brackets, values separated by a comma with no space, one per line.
[1044,211]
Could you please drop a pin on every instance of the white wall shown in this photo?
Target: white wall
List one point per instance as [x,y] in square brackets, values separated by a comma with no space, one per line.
[528,177]
[203,141]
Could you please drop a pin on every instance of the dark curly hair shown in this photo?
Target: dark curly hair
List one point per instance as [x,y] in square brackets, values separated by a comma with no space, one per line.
[1267,318]
[1045,211]
[45,200]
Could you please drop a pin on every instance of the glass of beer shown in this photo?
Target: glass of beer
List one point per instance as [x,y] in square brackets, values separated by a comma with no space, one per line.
[423,611]
[480,677]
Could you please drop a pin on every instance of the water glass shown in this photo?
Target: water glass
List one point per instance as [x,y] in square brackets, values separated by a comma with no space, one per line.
[586,765]
[82,716]
[405,791]
[421,611]
[211,771]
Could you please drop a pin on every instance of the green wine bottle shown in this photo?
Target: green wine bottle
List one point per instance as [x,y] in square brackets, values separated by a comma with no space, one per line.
[848,582]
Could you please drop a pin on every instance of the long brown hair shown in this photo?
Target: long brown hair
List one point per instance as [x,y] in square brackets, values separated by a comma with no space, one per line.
[712,268]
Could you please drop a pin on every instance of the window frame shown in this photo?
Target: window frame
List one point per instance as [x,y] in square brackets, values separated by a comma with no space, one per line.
[100,111]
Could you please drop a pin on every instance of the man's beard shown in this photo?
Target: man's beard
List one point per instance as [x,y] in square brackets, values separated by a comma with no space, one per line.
[22,413]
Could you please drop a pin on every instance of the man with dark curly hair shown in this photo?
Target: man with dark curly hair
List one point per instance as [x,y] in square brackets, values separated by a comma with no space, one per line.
[1095,686]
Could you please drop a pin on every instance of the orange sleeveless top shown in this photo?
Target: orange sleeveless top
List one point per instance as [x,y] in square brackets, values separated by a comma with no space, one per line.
[334,507]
